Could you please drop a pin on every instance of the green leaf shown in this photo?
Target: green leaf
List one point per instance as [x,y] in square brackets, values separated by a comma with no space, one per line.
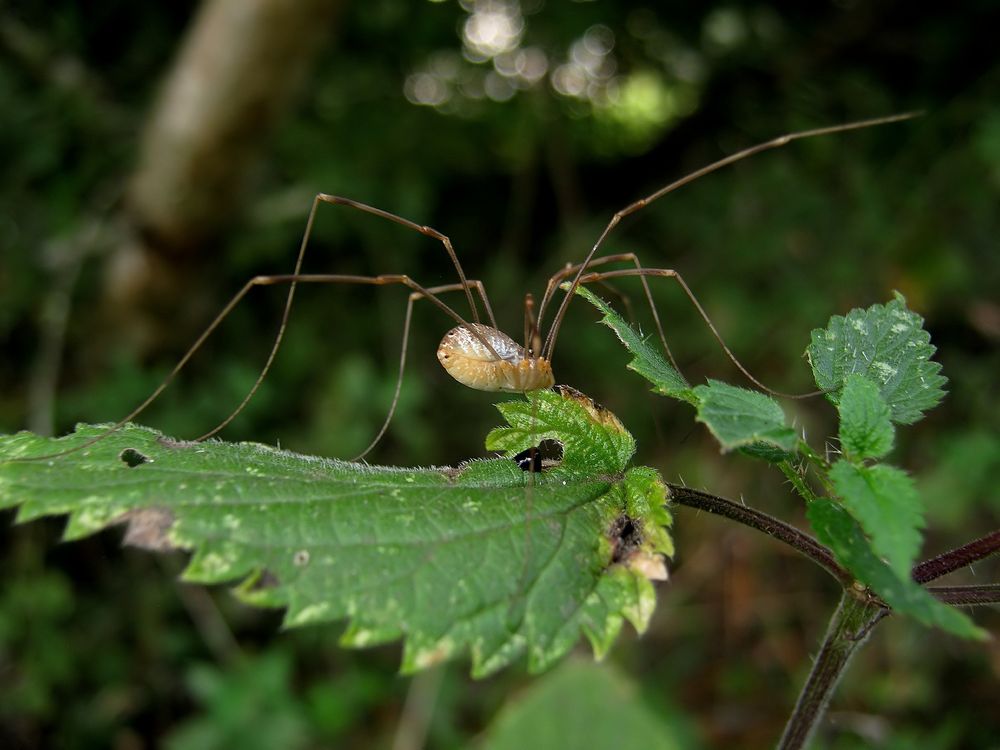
[251,705]
[738,417]
[646,360]
[889,346]
[484,558]
[885,502]
[866,429]
[838,531]
[583,705]
[570,418]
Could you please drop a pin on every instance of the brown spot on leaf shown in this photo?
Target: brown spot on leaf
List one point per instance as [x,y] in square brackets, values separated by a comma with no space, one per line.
[148,528]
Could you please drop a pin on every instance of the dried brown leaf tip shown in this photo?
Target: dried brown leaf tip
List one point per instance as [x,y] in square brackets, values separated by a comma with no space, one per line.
[148,528]
[598,413]
[627,539]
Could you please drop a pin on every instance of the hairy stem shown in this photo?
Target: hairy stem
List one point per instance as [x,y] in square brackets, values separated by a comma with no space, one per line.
[959,557]
[769,525]
[849,628]
[967,596]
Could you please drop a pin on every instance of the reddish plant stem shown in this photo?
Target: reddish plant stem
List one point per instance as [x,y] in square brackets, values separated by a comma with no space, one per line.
[769,525]
[855,618]
[967,596]
[849,627]
[959,557]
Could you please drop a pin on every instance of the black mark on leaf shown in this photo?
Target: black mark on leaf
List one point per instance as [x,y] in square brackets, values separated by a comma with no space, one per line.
[625,535]
[133,458]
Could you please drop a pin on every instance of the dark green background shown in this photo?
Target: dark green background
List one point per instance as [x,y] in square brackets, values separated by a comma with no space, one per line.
[101,647]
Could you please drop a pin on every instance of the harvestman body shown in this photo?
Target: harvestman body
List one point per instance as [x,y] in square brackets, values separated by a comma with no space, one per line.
[477,355]
[506,366]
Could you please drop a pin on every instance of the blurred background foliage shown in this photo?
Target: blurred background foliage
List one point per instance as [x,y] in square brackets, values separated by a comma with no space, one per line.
[517,129]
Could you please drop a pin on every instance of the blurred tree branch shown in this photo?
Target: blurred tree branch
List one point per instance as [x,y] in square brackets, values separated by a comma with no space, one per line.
[237,72]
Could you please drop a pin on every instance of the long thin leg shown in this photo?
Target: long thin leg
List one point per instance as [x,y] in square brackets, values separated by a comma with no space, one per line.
[414,296]
[558,277]
[424,230]
[479,287]
[671,274]
[550,340]
[532,337]
[338,200]
[381,280]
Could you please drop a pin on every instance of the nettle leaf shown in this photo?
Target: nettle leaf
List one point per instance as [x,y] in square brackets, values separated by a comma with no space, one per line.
[884,500]
[584,705]
[866,429]
[888,345]
[837,530]
[485,557]
[739,417]
[646,360]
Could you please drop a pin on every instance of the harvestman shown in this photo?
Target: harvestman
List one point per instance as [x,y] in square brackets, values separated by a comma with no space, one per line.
[476,354]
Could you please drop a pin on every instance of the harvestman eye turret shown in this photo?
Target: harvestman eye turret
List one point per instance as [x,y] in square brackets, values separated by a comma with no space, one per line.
[475,354]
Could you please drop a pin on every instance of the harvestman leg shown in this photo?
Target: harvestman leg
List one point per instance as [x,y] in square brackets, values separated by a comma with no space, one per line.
[643,272]
[559,276]
[381,280]
[414,296]
[295,278]
[340,201]
[532,334]
[778,142]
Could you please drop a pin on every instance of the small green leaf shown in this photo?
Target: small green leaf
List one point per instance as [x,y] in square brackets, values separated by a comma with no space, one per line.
[838,531]
[889,346]
[594,440]
[866,429]
[738,417]
[484,558]
[885,502]
[646,360]
[583,705]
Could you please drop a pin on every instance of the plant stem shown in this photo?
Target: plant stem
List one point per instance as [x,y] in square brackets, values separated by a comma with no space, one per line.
[957,558]
[849,628]
[967,596]
[769,525]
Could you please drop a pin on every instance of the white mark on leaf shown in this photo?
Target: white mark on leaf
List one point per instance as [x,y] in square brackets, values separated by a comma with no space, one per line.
[885,370]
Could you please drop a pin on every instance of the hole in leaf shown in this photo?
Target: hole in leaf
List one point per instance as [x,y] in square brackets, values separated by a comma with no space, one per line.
[626,537]
[133,458]
[542,457]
